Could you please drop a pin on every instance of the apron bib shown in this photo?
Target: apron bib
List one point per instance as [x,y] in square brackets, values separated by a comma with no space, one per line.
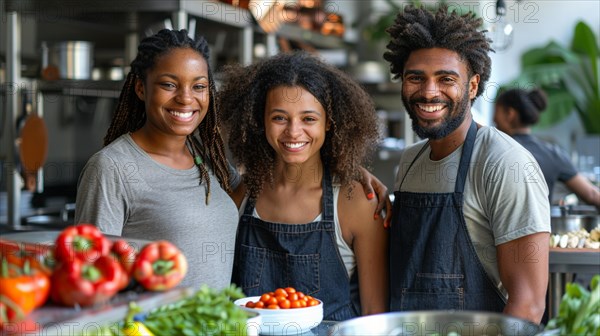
[433,263]
[304,256]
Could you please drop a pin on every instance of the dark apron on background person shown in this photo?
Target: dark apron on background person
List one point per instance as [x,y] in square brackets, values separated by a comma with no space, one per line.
[304,256]
[433,263]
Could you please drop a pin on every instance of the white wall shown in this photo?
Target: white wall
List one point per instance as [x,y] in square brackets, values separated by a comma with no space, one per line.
[535,24]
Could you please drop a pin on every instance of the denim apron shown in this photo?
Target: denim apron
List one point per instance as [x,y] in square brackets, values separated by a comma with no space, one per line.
[304,256]
[433,263]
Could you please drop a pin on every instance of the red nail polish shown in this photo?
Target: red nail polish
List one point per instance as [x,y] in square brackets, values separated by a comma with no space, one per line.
[370,195]
[376,216]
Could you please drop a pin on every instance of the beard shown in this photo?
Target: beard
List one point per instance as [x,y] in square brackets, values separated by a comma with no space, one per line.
[453,119]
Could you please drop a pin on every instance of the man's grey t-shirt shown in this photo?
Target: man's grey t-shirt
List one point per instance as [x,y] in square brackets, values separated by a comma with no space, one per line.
[124,192]
[505,196]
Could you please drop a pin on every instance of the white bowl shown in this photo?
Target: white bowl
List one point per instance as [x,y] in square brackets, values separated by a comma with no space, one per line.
[294,321]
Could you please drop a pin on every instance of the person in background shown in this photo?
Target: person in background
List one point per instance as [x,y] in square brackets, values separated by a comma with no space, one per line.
[301,128]
[470,224]
[516,111]
[163,173]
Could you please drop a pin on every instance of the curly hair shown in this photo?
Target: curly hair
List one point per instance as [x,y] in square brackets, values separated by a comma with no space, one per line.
[349,110]
[528,104]
[130,114]
[418,28]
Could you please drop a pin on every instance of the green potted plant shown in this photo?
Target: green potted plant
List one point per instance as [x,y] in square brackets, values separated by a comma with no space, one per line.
[570,77]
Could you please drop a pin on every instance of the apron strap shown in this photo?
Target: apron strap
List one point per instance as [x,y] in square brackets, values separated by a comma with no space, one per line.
[465,158]
[327,212]
[412,162]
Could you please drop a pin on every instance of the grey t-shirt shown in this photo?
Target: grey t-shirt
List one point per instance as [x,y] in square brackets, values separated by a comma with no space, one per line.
[553,160]
[124,192]
[505,196]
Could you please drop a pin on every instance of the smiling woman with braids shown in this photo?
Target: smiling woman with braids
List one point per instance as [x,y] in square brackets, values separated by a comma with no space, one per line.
[301,129]
[163,173]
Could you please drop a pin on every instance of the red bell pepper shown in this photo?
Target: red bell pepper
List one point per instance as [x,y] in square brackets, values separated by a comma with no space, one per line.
[21,290]
[125,254]
[160,266]
[86,283]
[39,256]
[82,241]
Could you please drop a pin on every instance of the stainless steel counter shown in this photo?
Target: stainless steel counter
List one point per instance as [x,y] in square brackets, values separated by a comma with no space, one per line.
[68,321]
[563,264]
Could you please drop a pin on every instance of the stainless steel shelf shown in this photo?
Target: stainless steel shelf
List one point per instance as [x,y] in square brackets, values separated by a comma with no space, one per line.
[91,88]
[313,38]
[218,12]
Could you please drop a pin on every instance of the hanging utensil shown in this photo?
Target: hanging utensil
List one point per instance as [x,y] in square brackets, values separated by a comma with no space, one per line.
[33,148]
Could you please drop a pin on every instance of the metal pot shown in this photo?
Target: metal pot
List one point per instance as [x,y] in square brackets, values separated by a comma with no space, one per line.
[442,322]
[74,59]
[568,223]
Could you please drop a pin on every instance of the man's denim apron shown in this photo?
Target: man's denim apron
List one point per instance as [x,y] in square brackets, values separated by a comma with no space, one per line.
[433,263]
[304,256]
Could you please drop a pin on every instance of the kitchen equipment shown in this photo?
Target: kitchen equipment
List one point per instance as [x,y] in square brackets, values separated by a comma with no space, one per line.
[74,59]
[371,72]
[442,322]
[569,223]
[34,143]
[294,321]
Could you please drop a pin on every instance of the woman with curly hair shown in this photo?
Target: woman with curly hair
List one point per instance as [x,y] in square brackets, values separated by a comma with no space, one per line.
[471,218]
[301,129]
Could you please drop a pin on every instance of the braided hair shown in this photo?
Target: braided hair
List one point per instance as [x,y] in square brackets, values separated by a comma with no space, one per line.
[528,104]
[130,114]
[349,110]
[418,28]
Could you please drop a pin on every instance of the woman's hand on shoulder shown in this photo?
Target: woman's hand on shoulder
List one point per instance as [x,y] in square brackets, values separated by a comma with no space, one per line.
[372,187]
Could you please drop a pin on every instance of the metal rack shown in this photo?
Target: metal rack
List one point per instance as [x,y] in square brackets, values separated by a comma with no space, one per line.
[118,23]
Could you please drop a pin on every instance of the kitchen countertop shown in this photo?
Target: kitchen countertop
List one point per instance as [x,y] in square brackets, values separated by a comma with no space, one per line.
[49,236]
[566,260]
[563,262]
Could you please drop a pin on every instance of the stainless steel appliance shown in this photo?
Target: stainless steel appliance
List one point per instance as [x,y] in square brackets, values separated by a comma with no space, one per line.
[436,323]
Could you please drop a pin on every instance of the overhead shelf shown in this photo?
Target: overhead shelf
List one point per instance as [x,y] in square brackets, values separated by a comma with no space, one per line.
[218,12]
[293,32]
[90,88]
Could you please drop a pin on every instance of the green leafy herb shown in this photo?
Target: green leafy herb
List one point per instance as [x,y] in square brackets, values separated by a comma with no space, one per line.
[579,310]
[207,312]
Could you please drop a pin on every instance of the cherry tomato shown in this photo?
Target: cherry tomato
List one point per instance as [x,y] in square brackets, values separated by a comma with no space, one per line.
[300,295]
[272,301]
[303,303]
[312,302]
[281,292]
[250,304]
[290,290]
[293,297]
[273,306]
[259,304]
[285,304]
[265,297]
[295,304]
